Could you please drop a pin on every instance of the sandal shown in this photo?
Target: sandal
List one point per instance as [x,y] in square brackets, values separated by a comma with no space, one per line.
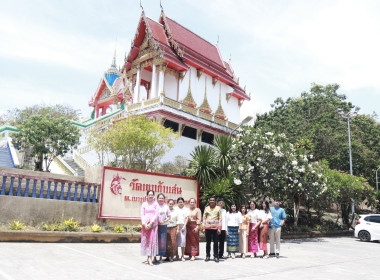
[265,257]
[183,258]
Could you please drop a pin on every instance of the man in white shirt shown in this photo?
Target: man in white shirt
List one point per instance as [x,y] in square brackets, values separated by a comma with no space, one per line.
[222,236]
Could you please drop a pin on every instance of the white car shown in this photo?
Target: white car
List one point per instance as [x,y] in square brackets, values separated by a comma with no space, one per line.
[368,227]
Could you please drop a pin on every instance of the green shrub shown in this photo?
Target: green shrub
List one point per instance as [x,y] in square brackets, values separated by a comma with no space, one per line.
[319,228]
[52,227]
[70,225]
[132,228]
[96,228]
[303,228]
[119,229]
[16,225]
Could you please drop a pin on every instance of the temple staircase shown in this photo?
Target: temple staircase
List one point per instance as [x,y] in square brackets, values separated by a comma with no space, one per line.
[5,157]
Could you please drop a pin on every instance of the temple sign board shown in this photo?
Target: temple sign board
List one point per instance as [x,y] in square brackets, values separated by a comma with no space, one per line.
[124,190]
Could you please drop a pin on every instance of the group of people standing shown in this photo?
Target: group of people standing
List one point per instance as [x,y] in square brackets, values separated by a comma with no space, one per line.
[173,232]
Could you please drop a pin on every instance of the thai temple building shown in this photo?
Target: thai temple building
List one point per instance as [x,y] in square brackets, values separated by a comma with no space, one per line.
[174,77]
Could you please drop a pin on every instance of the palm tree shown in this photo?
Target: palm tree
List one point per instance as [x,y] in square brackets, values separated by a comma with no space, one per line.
[223,187]
[223,145]
[203,165]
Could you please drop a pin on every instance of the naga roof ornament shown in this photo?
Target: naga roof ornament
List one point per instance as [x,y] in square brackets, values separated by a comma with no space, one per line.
[169,34]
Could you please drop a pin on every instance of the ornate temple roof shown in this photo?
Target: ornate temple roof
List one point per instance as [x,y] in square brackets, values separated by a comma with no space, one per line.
[179,48]
[156,34]
[112,80]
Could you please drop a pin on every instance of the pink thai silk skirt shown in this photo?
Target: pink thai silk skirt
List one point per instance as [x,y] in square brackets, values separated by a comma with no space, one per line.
[149,241]
[263,236]
[171,242]
[253,239]
[192,239]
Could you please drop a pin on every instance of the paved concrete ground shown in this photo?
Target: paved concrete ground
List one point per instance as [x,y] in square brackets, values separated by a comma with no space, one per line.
[320,258]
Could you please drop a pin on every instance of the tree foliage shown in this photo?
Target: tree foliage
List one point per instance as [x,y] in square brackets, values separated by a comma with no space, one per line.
[269,166]
[203,165]
[223,187]
[223,145]
[210,165]
[344,189]
[17,116]
[177,167]
[47,138]
[136,142]
[313,119]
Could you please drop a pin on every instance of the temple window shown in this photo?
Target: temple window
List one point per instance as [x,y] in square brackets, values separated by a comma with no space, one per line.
[207,138]
[170,124]
[190,132]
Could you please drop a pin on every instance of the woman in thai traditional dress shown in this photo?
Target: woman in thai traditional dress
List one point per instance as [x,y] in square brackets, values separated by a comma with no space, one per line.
[182,214]
[244,226]
[173,229]
[149,221]
[163,218]
[253,229]
[192,230]
[265,217]
[233,219]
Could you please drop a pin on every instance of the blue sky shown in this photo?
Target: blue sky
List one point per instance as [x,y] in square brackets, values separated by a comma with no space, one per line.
[56,51]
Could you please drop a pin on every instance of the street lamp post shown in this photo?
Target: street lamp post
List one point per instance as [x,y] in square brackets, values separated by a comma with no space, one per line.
[243,122]
[349,144]
[349,115]
[377,180]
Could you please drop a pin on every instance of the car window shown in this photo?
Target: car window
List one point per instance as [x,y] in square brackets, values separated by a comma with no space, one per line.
[375,219]
[367,218]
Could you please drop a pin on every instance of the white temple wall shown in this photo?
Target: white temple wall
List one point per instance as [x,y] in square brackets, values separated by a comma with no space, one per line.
[197,87]
[232,111]
[183,146]
[212,93]
[170,86]
[184,84]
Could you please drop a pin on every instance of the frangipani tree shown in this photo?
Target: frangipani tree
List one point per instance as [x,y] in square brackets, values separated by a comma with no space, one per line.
[269,166]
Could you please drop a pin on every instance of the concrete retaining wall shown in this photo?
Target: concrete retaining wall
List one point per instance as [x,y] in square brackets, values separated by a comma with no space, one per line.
[38,210]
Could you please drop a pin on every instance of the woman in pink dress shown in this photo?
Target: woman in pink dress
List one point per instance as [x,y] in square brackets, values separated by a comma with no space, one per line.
[265,217]
[149,222]
[253,242]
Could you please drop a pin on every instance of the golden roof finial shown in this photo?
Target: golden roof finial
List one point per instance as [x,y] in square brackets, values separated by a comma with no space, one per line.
[220,112]
[189,100]
[205,106]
